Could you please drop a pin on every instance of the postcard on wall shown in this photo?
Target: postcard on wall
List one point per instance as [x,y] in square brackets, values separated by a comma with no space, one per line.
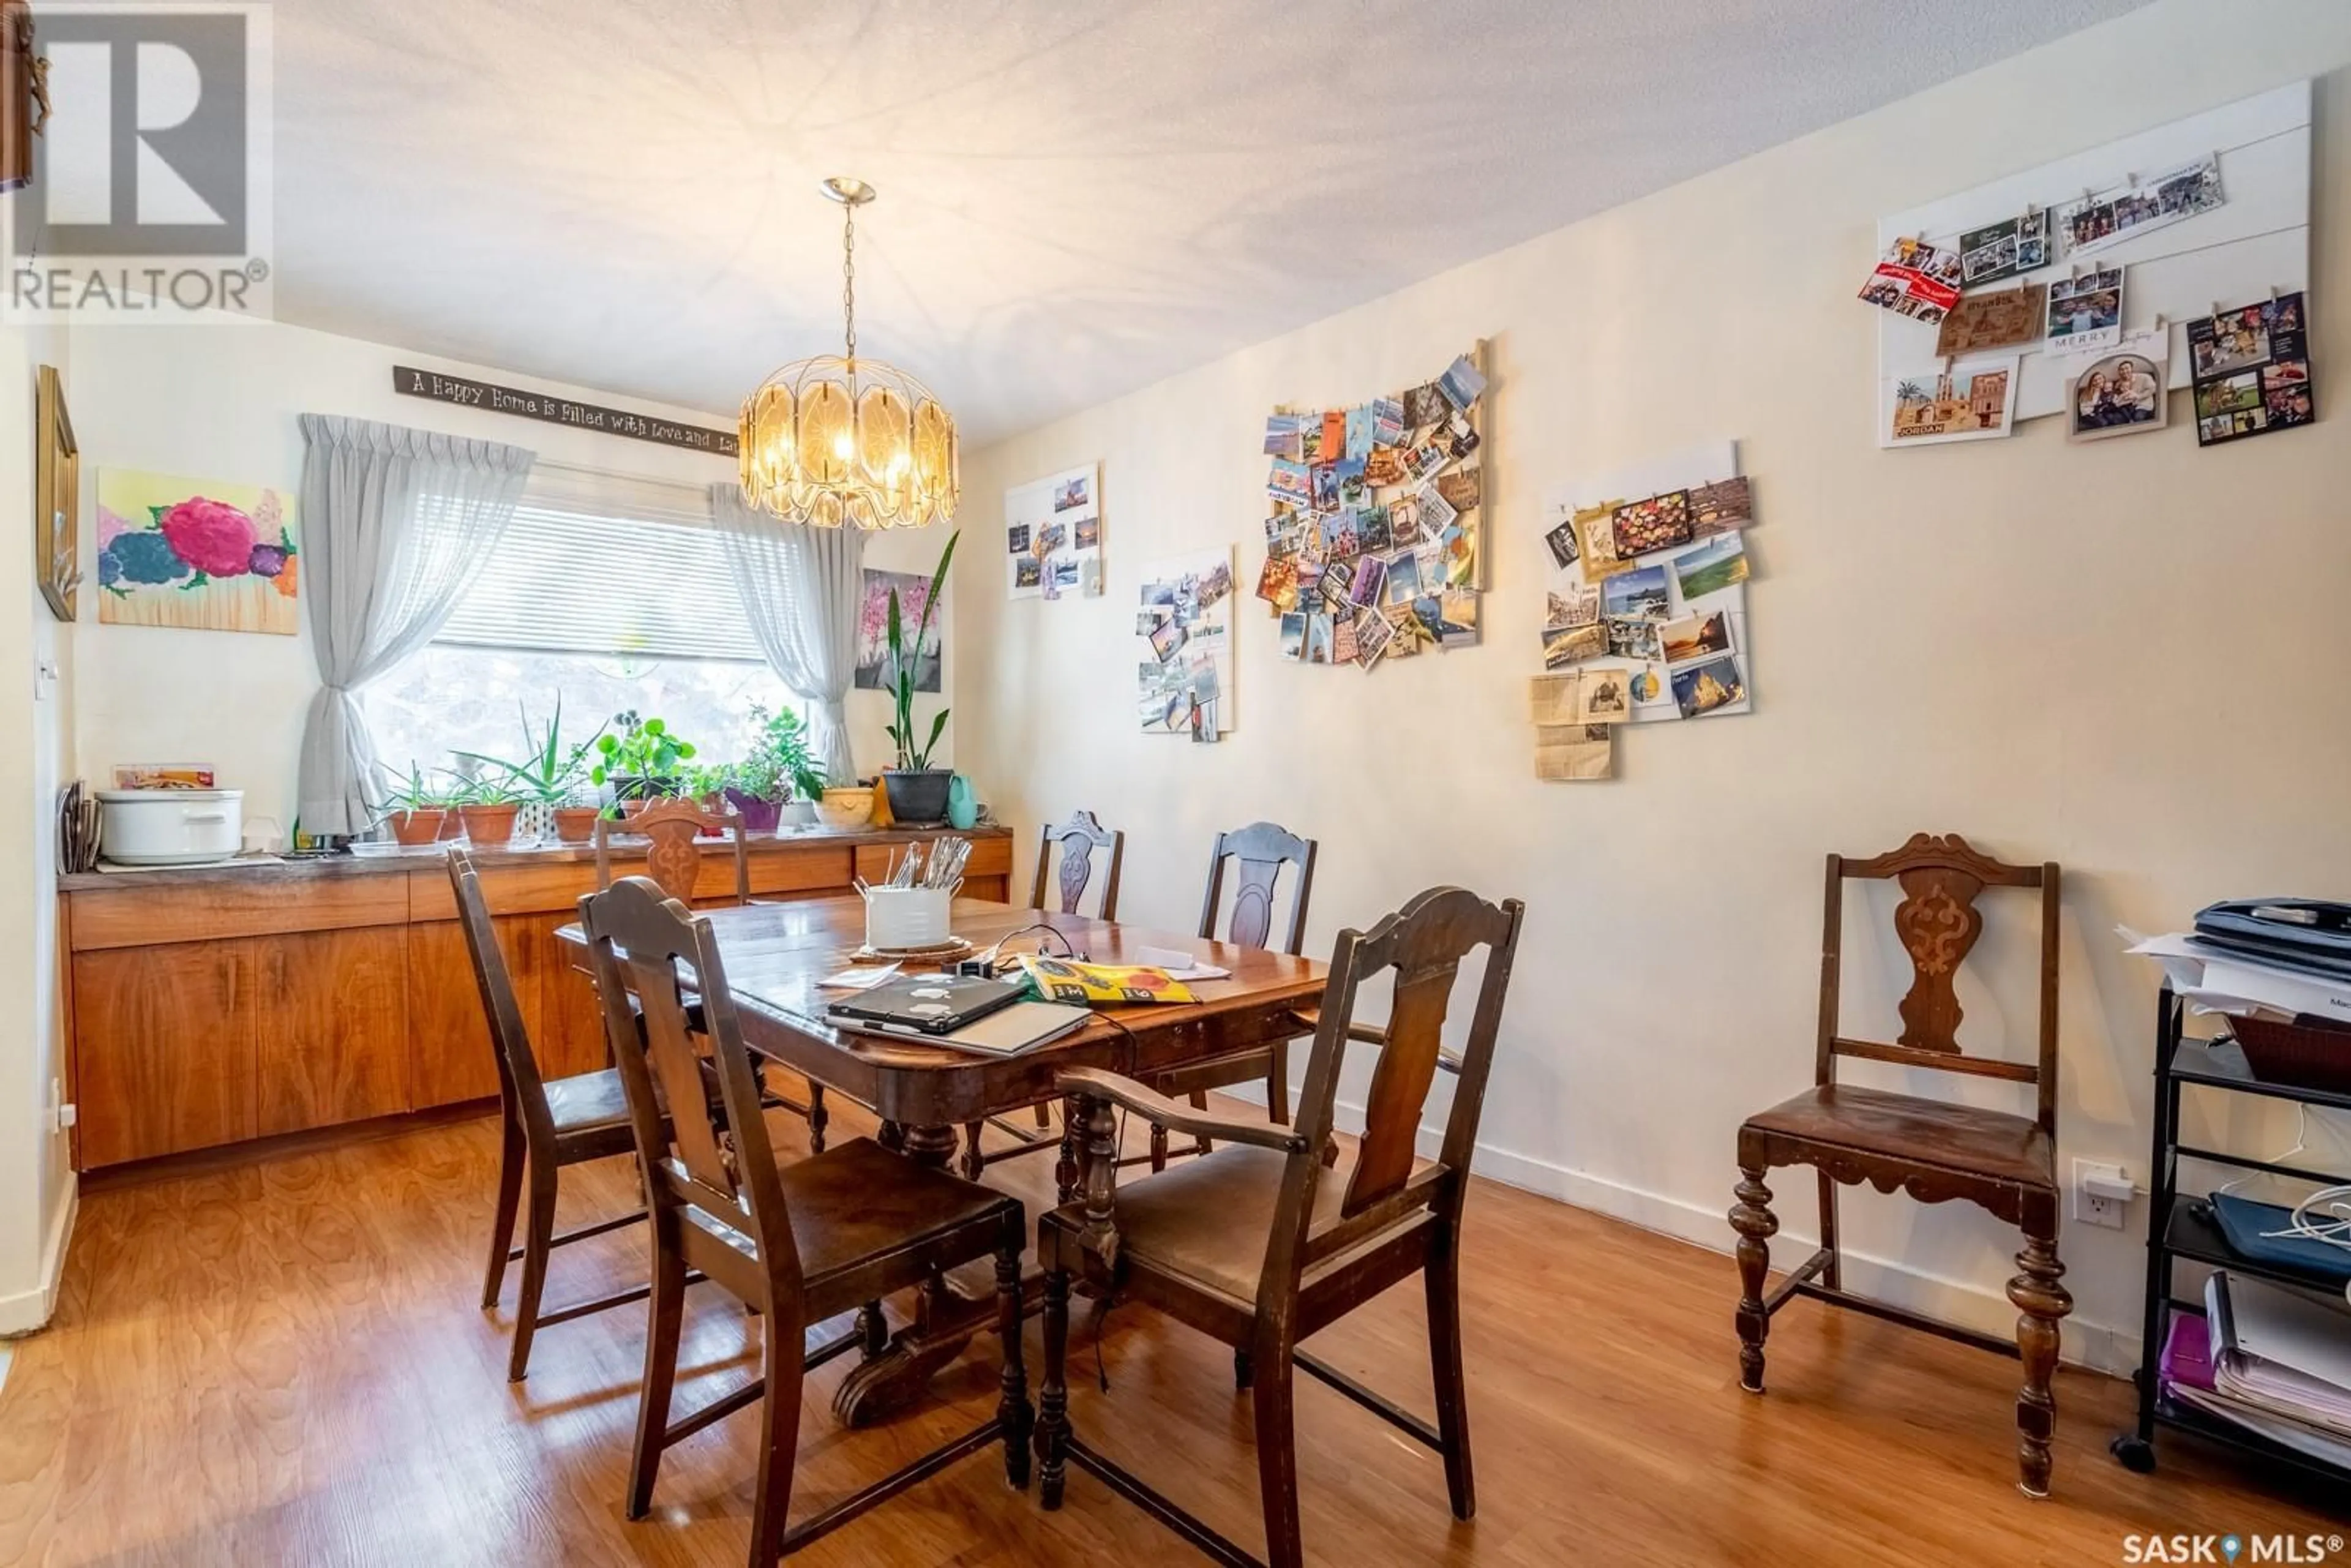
[2007,249]
[2249,369]
[2124,392]
[1717,564]
[1712,687]
[1597,525]
[1974,399]
[1718,507]
[1372,637]
[1641,594]
[2108,217]
[1658,522]
[2085,313]
[1565,645]
[2002,319]
[1571,753]
[1915,279]
[1571,604]
[1696,636]
[197,554]
[1603,697]
[1184,669]
[1053,535]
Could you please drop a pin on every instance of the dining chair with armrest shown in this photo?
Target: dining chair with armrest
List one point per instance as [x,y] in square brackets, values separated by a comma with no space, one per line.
[1259,1245]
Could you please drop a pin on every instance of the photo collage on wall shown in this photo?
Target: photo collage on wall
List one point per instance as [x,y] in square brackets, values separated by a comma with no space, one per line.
[1646,614]
[1053,535]
[2251,370]
[1374,544]
[1184,672]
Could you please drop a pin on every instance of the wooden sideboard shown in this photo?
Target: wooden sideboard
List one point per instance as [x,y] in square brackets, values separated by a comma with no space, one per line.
[217,1005]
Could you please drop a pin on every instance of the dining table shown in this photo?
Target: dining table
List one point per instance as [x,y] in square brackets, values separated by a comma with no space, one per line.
[931,1097]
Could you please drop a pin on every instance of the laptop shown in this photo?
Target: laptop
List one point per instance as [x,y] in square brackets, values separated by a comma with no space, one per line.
[927,1005]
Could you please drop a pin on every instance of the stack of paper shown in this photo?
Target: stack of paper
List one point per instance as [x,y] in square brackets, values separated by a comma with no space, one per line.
[2213,980]
[2280,1367]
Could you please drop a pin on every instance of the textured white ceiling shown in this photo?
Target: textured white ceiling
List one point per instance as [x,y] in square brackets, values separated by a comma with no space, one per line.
[1077,199]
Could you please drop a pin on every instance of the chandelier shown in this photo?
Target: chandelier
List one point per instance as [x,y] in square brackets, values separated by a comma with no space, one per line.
[835,439]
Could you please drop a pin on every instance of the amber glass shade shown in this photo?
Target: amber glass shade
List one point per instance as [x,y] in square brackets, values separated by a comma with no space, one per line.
[831,441]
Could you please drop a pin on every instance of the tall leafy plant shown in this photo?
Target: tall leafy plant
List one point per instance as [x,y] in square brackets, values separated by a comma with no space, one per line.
[904,660]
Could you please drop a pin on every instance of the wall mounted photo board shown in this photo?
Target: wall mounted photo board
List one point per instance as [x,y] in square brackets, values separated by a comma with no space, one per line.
[1183,646]
[1053,535]
[2182,258]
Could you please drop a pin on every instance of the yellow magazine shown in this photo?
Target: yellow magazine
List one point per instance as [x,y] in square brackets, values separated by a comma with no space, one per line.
[1094,985]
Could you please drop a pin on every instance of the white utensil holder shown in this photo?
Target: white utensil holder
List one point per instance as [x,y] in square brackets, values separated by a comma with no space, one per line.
[907,917]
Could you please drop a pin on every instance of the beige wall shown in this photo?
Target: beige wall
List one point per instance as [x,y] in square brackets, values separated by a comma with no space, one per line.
[2125,657]
[214,401]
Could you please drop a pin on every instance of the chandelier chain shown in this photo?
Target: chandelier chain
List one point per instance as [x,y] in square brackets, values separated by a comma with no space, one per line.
[849,278]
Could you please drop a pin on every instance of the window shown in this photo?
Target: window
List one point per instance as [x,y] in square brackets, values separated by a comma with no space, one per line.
[608,592]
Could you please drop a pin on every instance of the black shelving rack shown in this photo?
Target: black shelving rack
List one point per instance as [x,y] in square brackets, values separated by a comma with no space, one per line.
[2184,1228]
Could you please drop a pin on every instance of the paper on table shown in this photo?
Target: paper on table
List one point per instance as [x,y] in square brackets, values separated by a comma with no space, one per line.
[1180,964]
[863,977]
[2211,982]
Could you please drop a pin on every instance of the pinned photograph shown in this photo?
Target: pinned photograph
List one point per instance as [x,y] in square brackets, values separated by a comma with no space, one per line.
[1405,582]
[2232,340]
[1340,539]
[1404,522]
[1086,534]
[1318,638]
[1073,493]
[1387,422]
[2121,394]
[1215,583]
[1696,636]
[1167,639]
[1027,571]
[1429,610]
[1371,582]
[1462,383]
[1278,583]
[1660,522]
[1974,399]
[1460,489]
[1426,405]
[1631,638]
[1050,538]
[1293,635]
[1324,479]
[1642,594]
[1353,489]
[1460,436]
[1460,547]
[1717,564]
[1383,467]
[2251,370]
[1577,605]
[1915,279]
[2002,250]
[1573,753]
[1310,438]
[1603,697]
[1336,584]
[1598,526]
[1373,636]
[1718,507]
[1437,513]
[1425,460]
[1373,532]
[1290,482]
[2108,217]
[1281,436]
[1999,320]
[1650,695]
[1565,645]
[1411,634]
[1562,541]
[1702,689]
[1359,435]
[1333,440]
[2086,313]
[1146,622]
[1342,637]
[1016,538]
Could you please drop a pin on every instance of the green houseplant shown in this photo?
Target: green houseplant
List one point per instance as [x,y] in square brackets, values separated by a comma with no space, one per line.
[549,777]
[488,806]
[776,769]
[416,807]
[640,762]
[918,791]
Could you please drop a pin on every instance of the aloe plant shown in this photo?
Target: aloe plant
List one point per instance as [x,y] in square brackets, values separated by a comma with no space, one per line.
[549,774]
[903,661]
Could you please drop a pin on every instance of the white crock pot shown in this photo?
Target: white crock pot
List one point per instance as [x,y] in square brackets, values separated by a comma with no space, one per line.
[170,827]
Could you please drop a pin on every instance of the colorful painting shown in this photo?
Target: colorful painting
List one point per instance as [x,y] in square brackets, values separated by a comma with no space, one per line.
[874,671]
[195,554]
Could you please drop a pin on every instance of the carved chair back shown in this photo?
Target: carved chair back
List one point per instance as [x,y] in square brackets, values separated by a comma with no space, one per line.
[521,1090]
[1938,924]
[715,1163]
[1077,840]
[1424,944]
[674,832]
[1257,852]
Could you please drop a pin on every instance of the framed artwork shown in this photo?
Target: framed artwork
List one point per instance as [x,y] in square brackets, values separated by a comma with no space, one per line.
[195,554]
[873,673]
[57,500]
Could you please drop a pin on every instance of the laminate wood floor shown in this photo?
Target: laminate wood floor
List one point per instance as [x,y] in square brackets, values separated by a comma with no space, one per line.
[281,1361]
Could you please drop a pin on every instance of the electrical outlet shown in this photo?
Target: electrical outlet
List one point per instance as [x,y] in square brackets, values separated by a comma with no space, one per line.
[2100,1191]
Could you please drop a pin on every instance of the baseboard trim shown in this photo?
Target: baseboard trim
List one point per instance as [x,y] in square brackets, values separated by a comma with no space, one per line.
[27,1312]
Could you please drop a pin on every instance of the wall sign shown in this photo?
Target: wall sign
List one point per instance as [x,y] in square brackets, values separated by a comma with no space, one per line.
[441,388]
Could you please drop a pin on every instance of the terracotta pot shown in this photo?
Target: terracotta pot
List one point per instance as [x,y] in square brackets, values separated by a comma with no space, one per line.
[576,824]
[416,827]
[488,826]
[453,825]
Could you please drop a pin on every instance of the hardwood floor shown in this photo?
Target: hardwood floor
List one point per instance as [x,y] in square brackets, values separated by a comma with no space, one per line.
[280,1361]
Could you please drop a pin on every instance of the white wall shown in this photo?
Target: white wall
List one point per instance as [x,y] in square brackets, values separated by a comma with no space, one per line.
[221,402]
[2125,657]
[36,1185]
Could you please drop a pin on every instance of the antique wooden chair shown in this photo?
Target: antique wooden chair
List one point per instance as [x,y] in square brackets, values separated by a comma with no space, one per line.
[546,1125]
[674,831]
[1932,1149]
[1259,1245]
[800,1243]
[1077,840]
[1261,850]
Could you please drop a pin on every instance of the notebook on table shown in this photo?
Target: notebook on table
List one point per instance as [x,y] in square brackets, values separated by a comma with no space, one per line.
[1003,1031]
[928,1004]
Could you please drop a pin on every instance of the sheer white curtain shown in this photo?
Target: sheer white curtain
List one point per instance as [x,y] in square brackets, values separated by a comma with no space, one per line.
[394,521]
[801,588]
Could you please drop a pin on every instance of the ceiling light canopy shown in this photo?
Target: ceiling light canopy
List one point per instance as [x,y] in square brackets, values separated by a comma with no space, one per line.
[836,440]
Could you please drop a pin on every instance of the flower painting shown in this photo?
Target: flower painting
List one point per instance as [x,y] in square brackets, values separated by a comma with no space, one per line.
[195,554]
[874,671]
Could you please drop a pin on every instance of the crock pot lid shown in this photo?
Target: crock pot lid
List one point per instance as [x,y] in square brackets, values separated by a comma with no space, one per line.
[116,796]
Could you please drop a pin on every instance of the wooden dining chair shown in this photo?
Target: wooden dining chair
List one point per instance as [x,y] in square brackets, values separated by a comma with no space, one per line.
[800,1243]
[1077,840]
[675,831]
[1259,1245]
[1258,853]
[543,1126]
[1932,1149]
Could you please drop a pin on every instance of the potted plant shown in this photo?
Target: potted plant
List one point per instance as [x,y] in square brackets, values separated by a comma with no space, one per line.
[918,791]
[548,778]
[777,770]
[575,820]
[640,762]
[417,807]
[488,807]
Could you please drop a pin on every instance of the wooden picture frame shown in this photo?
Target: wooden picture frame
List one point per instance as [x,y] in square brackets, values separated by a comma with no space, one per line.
[56,498]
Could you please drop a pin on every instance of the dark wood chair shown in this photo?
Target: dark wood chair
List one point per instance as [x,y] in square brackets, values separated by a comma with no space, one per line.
[1932,1149]
[675,831]
[1079,840]
[544,1126]
[1257,852]
[1259,1245]
[800,1243]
